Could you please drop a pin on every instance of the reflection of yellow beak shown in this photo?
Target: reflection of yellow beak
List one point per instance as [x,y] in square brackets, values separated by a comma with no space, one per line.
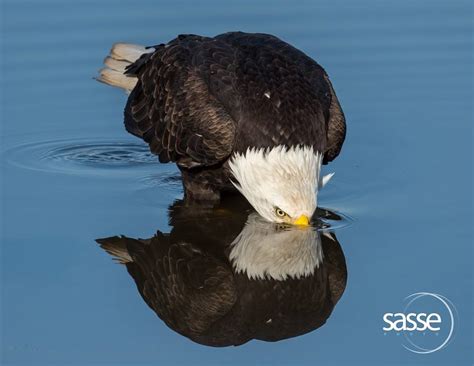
[303,220]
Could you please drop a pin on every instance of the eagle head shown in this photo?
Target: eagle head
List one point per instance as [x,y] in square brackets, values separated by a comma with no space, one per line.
[281,183]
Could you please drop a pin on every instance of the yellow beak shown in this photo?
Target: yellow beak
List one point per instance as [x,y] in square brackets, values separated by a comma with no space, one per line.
[303,220]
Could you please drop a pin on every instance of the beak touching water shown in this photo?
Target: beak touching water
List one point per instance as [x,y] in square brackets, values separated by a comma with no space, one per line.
[303,220]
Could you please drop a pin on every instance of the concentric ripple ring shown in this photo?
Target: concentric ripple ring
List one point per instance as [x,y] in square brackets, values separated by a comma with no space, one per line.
[81,156]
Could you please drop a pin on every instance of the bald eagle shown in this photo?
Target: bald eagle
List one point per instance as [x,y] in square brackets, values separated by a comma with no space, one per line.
[236,111]
[235,280]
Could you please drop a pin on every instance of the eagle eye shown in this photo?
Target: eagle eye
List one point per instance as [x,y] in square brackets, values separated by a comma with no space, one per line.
[280,212]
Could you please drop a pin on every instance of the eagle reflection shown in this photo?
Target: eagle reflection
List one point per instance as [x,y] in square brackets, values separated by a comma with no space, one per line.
[223,277]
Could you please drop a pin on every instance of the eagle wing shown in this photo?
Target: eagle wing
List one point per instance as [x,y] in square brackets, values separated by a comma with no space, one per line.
[176,105]
[187,288]
[294,77]
[198,98]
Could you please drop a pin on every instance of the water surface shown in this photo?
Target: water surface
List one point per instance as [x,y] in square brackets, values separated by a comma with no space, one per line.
[71,174]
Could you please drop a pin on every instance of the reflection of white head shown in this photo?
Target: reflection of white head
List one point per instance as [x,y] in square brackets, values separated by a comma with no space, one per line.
[265,250]
[280,183]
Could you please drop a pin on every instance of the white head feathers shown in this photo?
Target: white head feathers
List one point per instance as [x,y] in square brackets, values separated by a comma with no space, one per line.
[279,180]
[264,250]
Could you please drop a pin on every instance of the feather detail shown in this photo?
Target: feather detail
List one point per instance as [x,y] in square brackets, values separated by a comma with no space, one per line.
[279,177]
[325,180]
[122,55]
[263,250]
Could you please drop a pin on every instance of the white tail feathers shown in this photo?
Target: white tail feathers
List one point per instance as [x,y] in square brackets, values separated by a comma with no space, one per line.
[117,248]
[128,52]
[117,78]
[121,56]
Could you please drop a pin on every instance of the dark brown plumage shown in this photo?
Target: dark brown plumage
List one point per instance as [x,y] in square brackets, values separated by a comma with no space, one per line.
[187,278]
[199,99]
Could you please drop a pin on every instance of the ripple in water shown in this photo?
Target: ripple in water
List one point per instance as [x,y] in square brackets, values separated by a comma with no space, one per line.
[81,156]
[165,179]
[327,219]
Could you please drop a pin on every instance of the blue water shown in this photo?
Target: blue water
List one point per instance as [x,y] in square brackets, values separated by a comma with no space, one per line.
[71,174]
